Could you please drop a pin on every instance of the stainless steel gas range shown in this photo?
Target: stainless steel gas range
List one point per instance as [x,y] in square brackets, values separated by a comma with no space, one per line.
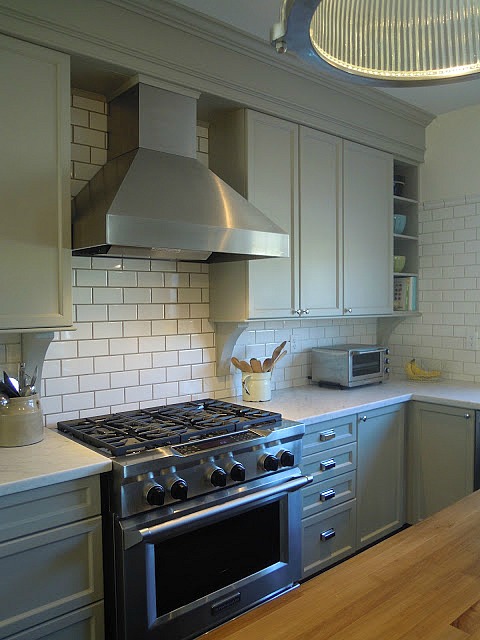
[201,514]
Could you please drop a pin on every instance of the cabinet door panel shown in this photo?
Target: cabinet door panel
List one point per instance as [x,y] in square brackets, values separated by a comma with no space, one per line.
[272,159]
[328,537]
[380,474]
[82,624]
[368,233]
[35,287]
[441,457]
[50,574]
[320,223]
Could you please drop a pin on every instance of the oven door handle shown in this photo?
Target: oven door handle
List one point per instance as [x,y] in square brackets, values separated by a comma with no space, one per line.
[148,534]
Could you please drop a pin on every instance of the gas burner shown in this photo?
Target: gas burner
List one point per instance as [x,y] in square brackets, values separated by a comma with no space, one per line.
[135,431]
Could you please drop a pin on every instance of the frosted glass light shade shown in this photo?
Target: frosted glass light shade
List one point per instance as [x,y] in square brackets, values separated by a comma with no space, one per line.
[386,41]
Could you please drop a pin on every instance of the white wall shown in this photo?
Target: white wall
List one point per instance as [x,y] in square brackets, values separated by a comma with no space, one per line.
[449,248]
[452,159]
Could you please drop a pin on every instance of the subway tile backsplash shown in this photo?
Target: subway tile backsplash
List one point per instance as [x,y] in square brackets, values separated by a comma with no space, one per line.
[143,335]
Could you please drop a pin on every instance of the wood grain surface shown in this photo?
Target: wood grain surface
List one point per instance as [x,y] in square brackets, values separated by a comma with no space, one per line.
[423,583]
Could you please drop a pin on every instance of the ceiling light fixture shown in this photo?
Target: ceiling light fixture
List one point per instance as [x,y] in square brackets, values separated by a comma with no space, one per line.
[384,42]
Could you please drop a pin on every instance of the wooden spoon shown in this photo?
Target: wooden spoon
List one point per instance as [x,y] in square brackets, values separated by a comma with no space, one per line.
[278,350]
[267,364]
[242,365]
[277,360]
[256,365]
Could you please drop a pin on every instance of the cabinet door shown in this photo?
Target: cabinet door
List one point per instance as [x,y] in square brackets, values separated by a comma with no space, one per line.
[50,574]
[368,233]
[441,457]
[272,186]
[380,474]
[35,287]
[320,223]
[83,624]
[328,537]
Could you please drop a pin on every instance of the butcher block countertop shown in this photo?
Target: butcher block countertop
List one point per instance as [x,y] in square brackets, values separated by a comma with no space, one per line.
[423,583]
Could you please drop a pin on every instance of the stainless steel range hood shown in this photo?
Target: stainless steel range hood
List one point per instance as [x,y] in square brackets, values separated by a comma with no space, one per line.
[153,199]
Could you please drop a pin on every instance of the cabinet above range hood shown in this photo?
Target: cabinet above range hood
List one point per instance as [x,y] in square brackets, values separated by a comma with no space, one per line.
[153,199]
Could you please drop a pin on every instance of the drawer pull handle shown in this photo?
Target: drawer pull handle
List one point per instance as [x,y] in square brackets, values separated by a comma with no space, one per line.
[326,535]
[325,465]
[328,494]
[327,435]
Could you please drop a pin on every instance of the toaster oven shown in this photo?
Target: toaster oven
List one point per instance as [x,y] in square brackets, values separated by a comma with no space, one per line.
[349,365]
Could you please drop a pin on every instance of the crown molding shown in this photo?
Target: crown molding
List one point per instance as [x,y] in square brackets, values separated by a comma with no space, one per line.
[211,30]
[330,105]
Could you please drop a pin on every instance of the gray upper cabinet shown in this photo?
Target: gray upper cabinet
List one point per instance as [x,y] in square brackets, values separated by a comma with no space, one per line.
[35,287]
[368,233]
[332,197]
[291,174]
[441,457]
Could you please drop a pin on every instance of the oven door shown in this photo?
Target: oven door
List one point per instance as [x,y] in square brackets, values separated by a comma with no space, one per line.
[185,575]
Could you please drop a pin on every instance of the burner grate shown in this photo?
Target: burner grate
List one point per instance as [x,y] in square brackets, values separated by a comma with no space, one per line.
[134,431]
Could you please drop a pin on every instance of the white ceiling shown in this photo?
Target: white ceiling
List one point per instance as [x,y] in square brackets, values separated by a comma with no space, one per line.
[257,16]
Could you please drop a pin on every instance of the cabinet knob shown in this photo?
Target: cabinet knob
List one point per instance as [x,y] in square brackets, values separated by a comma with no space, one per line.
[466,416]
[306,311]
[297,312]
[347,310]
[363,418]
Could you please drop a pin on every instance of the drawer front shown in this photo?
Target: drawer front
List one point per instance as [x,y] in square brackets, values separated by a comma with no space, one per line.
[328,537]
[46,507]
[50,574]
[83,624]
[329,493]
[331,463]
[332,433]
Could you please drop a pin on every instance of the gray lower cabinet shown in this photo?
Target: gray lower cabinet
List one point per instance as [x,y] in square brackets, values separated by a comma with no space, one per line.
[441,453]
[380,473]
[329,506]
[358,491]
[51,563]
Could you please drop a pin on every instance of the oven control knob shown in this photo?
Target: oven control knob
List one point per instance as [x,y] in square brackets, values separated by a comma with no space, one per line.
[286,458]
[270,463]
[156,495]
[179,490]
[218,477]
[237,472]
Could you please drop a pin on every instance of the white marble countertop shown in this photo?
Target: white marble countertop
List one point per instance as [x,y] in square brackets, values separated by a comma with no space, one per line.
[57,459]
[314,403]
[54,459]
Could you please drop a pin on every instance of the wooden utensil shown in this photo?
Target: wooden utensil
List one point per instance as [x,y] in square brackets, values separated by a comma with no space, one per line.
[277,351]
[267,364]
[277,360]
[256,365]
[241,364]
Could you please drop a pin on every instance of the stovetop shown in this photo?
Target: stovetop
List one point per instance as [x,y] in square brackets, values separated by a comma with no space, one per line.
[134,431]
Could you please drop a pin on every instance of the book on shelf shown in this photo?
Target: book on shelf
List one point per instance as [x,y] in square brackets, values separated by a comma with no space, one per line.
[405,293]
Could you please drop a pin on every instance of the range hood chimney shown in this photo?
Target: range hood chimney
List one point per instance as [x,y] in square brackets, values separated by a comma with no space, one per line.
[153,199]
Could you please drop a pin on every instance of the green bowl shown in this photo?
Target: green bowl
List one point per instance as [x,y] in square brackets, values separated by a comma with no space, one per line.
[398,263]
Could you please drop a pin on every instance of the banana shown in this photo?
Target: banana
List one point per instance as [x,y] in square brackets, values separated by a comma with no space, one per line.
[414,372]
